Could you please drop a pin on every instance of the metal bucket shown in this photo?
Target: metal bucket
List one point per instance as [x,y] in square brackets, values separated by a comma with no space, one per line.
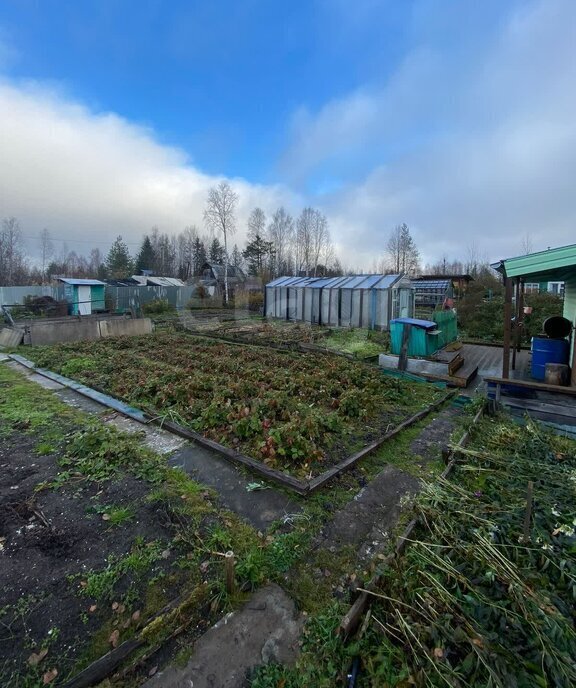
[557,327]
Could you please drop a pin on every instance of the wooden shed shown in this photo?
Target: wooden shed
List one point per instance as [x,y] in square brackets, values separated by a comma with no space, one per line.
[84,296]
[553,265]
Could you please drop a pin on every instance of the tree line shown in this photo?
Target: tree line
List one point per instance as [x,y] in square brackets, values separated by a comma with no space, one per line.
[279,244]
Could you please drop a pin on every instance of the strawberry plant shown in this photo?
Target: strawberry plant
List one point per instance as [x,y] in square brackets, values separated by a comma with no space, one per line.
[296,412]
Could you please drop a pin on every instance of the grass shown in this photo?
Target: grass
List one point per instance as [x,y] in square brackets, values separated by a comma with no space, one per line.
[473,600]
[357,342]
[201,532]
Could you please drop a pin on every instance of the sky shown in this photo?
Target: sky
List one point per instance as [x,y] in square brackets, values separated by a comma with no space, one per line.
[454,116]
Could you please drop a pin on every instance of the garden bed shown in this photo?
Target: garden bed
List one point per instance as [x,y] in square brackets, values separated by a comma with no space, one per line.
[300,414]
[97,536]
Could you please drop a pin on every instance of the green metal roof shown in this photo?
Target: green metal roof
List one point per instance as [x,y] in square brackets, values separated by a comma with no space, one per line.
[555,264]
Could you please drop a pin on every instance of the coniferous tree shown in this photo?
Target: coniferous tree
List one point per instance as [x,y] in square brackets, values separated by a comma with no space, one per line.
[146,257]
[199,256]
[256,253]
[118,261]
[216,251]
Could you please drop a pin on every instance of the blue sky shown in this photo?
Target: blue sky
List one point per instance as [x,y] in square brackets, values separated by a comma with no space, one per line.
[220,79]
[454,116]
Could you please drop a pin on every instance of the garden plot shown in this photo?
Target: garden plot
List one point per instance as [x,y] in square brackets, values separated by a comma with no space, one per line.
[97,536]
[296,413]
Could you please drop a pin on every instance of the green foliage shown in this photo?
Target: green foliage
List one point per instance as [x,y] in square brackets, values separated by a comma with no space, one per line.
[146,258]
[99,452]
[543,306]
[80,364]
[472,599]
[157,307]
[118,262]
[293,412]
[358,342]
[100,585]
[257,251]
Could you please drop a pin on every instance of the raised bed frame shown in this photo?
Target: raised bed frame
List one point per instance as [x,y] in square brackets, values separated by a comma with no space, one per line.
[301,487]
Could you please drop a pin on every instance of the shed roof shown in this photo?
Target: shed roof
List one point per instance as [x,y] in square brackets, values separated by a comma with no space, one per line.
[555,264]
[346,282]
[218,270]
[440,285]
[154,281]
[82,282]
[416,322]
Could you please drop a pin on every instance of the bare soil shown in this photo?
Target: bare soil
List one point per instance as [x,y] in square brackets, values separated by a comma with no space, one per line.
[48,536]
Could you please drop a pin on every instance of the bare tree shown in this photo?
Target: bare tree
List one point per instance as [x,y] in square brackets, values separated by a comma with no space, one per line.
[220,216]
[303,241]
[256,224]
[526,244]
[281,234]
[320,238]
[13,266]
[46,250]
[401,248]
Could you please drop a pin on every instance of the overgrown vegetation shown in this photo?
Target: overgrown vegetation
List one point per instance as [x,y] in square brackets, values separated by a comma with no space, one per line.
[473,602]
[293,412]
[481,311]
[158,307]
[358,342]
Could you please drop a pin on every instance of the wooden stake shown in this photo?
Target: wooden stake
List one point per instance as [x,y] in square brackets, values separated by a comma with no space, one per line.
[507,327]
[528,514]
[229,563]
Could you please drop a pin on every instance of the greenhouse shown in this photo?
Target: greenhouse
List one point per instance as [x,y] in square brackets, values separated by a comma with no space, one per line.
[369,301]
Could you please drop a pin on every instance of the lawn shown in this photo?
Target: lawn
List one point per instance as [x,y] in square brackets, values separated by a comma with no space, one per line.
[299,413]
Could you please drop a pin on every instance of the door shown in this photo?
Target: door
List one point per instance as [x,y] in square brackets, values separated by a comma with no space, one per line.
[84,303]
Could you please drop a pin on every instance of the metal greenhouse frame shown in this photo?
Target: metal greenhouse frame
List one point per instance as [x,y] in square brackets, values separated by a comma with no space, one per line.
[368,301]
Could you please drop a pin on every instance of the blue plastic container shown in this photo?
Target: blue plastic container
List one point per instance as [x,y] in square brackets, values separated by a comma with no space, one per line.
[545,351]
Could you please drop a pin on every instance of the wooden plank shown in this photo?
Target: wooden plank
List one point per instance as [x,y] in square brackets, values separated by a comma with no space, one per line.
[507,327]
[320,480]
[298,486]
[561,410]
[530,384]
[454,365]
[403,360]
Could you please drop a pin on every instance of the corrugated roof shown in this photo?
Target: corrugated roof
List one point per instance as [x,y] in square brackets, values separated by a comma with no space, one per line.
[164,281]
[439,285]
[554,264]
[346,282]
[82,282]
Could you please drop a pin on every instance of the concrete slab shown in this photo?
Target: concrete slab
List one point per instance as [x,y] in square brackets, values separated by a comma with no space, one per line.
[20,368]
[4,357]
[265,630]
[155,438]
[258,507]
[115,328]
[45,382]
[366,521]
[72,398]
[45,333]
[11,337]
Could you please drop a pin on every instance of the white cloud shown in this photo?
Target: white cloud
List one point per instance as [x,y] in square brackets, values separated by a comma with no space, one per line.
[91,176]
[464,145]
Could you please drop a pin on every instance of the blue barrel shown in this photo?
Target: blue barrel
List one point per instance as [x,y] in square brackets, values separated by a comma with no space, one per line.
[545,351]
